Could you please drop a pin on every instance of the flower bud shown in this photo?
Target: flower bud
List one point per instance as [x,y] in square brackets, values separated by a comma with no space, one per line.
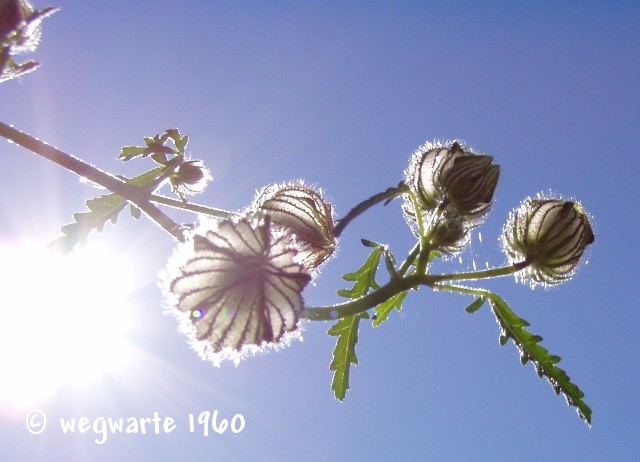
[306,214]
[461,180]
[190,178]
[19,32]
[20,25]
[469,184]
[12,14]
[423,173]
[450,235]
[551,235]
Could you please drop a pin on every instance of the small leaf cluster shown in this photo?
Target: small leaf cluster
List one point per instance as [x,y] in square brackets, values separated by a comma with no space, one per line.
[105,208]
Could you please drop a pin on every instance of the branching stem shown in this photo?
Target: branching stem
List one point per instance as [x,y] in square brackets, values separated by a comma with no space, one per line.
[366,204]
[397,285]
[191,207]
[85,170]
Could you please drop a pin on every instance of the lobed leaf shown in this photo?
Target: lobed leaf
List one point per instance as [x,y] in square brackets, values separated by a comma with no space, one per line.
[344,354]
[383,309]
[346,329]
[101,210]
[364,277]
[156,147]
[129,152]
[389,258]
[513,327]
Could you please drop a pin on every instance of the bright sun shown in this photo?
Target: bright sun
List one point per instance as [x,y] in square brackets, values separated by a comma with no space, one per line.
[62,320]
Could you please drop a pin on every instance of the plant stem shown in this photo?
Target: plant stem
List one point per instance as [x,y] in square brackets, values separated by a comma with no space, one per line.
[463,290]
[397,285]
[85,170]
[483,274]
[363,206]
[196,208]
[365,302]
[407,263]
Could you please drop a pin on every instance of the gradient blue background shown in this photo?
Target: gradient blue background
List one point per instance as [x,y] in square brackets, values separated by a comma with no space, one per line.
[341,95]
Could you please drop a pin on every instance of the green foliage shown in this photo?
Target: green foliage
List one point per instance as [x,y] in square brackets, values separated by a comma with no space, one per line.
[108,207]
[101,210]
[513,327]
[365,277]
[346,329]
[382,300]
[156,147]
[383,309]
[344,354]
[475,305]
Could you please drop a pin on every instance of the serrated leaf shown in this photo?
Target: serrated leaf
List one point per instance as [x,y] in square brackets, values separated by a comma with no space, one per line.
[129,152]
[545,364]
[383,309]
[364,277]
[475,305]
[344,354]
[346,329]
[389,258]
[101,210]
[156,147]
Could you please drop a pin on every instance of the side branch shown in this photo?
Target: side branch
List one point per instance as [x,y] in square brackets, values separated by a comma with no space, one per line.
[85,170]
[393,287]
[397,285]
[190,206]
[388,195]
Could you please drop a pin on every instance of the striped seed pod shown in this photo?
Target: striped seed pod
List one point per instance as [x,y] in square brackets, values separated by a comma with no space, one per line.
[302,210]
[468,182]
[551,235]
[237,289]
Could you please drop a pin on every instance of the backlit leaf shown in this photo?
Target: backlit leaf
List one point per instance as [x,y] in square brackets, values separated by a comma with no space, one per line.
[344,354]
[545,364]
[475,305]
[101,210]
[364,277]
[383,309]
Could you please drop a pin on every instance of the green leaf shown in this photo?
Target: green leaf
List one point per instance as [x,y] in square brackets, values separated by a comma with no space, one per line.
[364,277]
[156,147]
[513,327]
[101,210]
[383,309]
[346,329]
[344,354]
[135,211]
[129,152]
[475,305]
[389,258]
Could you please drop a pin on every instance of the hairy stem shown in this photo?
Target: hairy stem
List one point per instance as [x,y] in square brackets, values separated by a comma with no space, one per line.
[483,274]
[462,290]
[365,302]
[407,263]
[363,206]
[398,285]
[85,170]
[191,207]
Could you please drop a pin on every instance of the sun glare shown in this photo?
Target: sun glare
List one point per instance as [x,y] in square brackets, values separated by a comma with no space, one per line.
[62,320]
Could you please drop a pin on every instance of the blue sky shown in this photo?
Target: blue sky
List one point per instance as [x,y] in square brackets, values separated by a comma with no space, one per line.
[340,95]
